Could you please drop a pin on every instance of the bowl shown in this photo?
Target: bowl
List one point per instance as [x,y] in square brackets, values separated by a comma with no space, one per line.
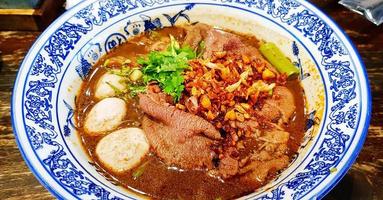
[333,77]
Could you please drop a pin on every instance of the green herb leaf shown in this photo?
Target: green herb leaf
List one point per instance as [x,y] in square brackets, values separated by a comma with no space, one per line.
[167,67]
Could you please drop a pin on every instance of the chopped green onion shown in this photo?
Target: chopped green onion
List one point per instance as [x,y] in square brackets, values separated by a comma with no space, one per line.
[106,63]
[135,89]
[200,49]
[139,171]
[116,90]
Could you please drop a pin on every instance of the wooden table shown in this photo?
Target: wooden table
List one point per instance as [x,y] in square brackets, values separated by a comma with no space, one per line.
[363,181]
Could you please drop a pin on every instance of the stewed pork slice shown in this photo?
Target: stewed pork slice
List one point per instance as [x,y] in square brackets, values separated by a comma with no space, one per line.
[123,149]
[107,85]
[106,115]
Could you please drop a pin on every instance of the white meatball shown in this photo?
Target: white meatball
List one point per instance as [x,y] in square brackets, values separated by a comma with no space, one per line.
[104,88]
[123,149]
[106,115]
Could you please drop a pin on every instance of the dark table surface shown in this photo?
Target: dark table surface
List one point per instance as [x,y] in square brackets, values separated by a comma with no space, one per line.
[363,181]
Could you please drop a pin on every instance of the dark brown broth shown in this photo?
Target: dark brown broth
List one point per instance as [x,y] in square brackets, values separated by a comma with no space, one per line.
[158,180]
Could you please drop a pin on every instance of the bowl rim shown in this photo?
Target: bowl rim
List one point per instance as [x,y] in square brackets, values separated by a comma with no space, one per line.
[317,11]
[331,22]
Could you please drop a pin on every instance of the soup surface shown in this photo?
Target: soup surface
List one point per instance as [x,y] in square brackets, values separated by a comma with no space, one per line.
[216,119]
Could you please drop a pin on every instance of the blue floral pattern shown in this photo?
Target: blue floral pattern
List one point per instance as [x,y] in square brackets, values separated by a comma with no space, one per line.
[48,65]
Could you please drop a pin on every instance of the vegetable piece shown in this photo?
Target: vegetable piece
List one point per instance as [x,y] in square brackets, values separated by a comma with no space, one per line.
[192,104]
[139,171]
[154,35]
[135,89]
[267,74]
[124,71]
[230,115]
[200,49]
[205,102]
[135,75]
[242,79]
[260,86]
[134,81]
[220,54]
[233,87]
[114,61]
[244,75]
[240,109]
[210,115]
[246,115]
[180,106]
[246,59]
[239,117]
[195,92]
[167,67]
[109,85]
[225,72]
[274,55]
[127,62]
[115,89]
[106,63]
[246,106]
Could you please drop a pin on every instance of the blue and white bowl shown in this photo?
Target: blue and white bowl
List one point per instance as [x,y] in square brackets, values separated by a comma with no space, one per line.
[333,77]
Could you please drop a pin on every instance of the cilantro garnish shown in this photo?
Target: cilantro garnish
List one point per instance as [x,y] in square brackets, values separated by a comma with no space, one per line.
[167,67]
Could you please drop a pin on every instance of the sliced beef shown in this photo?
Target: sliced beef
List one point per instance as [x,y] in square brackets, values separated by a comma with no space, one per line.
[218,40]
[228,166]
[258,171]
[195,34]
[270,112]
[280,106]
[179,138]
[270,158]
[154,92]
[193,153]
[188,124]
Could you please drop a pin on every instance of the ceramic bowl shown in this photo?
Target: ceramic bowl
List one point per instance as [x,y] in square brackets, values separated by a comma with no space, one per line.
[333,77]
